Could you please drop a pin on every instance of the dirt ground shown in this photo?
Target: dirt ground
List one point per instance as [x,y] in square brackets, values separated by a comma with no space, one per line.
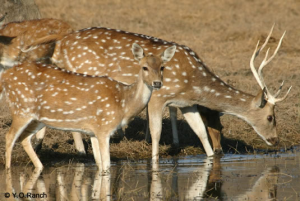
[224,35]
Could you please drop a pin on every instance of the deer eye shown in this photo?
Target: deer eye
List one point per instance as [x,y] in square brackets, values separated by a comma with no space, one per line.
[145,68]
[270,118]
[162,68]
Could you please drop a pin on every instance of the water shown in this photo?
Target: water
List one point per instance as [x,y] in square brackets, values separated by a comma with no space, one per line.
[232,177]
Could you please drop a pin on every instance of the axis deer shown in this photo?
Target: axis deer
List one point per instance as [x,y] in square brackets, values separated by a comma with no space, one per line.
[187,81]
[89,65]
[82,44]
[18,40]
[43,95]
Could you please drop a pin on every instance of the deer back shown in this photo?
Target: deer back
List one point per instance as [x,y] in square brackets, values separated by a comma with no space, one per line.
[31,39]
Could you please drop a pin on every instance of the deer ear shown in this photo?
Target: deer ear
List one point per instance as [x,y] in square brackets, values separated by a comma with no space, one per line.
[260,100]
[137,52]
[168,54]
[6,40]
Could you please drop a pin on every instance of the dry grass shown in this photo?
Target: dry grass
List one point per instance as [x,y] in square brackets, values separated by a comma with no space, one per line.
[224,34]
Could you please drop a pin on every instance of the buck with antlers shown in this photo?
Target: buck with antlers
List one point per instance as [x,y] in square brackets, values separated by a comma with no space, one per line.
[187,81]
[40,94]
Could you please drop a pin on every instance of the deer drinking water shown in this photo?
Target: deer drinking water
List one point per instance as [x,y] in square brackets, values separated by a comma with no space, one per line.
[40,94]
[187,81]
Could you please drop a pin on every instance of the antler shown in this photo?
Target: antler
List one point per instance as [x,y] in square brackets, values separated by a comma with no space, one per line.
[258,75]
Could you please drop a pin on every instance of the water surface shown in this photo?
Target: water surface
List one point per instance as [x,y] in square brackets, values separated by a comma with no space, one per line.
[231,177]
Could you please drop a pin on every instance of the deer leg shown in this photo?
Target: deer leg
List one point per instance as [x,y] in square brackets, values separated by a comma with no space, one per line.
[16,129]
[173,117]
[193,118]
[155,123]
[26,143]
[25,138]
[103,140]
[214,130]
[37,144]
[78,143]
[147,137]
[8,181]
[216,139]
[96,151]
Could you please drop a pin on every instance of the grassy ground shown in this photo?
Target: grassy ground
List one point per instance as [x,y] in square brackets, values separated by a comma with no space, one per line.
[224,34]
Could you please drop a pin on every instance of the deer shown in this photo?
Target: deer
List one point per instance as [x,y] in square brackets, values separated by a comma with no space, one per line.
[18,42]
[42,95]
[188,82]
[81,43]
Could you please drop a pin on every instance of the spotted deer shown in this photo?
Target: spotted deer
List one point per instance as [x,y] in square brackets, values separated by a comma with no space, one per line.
[18,40]
[211,118]
[82,45]
[42,95]
[187,81]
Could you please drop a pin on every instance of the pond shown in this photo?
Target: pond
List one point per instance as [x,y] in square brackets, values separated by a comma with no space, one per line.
[230,177]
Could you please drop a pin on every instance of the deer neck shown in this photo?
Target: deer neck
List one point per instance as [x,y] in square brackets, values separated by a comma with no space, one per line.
[233,102]
[136,97]
[215,94]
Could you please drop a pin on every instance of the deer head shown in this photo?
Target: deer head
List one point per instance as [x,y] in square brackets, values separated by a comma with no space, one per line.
[152,61]
[263,104]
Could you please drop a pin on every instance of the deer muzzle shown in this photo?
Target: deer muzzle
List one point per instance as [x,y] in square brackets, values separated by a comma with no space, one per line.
[274,141]
[156,84]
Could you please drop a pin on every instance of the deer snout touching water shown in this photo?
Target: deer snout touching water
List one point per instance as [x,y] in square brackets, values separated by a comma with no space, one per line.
[43,95]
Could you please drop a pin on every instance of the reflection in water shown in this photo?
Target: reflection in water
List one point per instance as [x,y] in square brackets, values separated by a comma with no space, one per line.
[197,185]
[199,180]
[26,187]
[94,187]
[265,188]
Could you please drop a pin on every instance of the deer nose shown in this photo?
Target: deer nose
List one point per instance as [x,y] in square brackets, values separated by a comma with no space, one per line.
[156,84]
[274,141]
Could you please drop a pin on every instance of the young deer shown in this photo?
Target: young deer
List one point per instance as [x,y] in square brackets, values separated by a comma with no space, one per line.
[18,40]
[187,81]
[41,95]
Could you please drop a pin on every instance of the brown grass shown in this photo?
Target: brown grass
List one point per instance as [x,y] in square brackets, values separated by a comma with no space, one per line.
[224,34]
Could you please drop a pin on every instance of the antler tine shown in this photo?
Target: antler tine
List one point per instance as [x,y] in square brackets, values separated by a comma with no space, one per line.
[279,90]
[255,74]
[258,74]
[267,39]
[284,97]
[266,61]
